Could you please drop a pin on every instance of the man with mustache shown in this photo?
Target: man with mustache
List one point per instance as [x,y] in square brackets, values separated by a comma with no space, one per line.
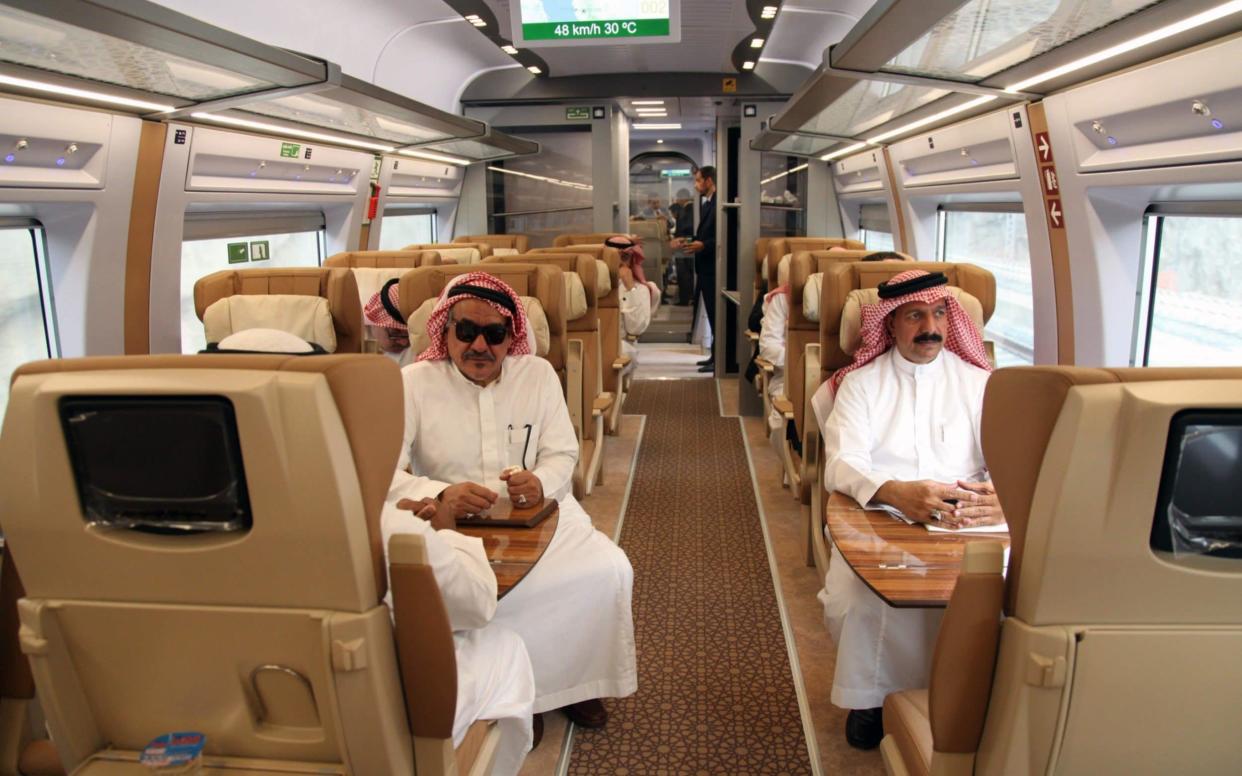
[903,432]
[485,416]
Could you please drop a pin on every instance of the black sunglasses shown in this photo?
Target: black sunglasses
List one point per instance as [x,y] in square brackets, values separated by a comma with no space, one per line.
[493,333]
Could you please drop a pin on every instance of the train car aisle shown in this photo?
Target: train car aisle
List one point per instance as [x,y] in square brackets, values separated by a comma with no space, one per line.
[717,692]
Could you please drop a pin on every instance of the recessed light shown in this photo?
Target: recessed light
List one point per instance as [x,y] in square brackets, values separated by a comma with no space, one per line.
[534,69]
[756,42]
[86,94]
[435,157]
[769,12]
[748,65]
[842,152]
[509,49]
[944,114]
[661,140]
[657,126]
[289,131]
[646,102]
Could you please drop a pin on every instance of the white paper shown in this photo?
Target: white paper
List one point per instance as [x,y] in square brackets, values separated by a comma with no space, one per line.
[998,528]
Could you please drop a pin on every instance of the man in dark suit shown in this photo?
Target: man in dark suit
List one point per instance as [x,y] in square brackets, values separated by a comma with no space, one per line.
[704,247]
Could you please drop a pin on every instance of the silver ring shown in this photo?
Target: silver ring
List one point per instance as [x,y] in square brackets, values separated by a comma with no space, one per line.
[935,514]
[521,500]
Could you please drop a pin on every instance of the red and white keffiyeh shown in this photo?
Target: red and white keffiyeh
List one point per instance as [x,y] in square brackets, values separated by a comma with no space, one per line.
[632,250]
[962,339]
[438,349]
[386,316]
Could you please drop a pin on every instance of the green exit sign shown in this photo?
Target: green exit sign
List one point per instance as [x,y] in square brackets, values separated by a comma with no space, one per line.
[578,114]
[239,253]
[290,150]
[675,173]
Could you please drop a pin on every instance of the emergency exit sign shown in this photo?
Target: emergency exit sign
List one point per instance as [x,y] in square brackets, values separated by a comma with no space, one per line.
[290,150]
[578,114]
[239,252]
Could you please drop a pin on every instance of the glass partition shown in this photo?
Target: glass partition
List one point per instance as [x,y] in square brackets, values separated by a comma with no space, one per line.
[997,241]
[200,257]
[866,105]
[1194,270]
[26,333]
[984,37]
[782,196]
[876,241]
[544,195]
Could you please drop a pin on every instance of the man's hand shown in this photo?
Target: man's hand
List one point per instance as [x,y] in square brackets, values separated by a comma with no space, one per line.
[466,498]
[918,500]
[525,489]
[431,510]
[626,275]
[978,504]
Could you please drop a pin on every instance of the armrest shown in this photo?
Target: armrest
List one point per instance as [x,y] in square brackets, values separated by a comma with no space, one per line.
[752,336]
[765,365]
[424,639]
[784,406]
[601,404]
[621,363]
[965,654]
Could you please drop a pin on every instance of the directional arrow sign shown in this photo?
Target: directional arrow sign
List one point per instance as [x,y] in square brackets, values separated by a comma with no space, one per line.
[1055,216]
[1043,146]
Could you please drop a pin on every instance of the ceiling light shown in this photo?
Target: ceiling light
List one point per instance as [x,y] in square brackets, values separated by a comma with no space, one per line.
[646,102]
[509,49]
[769,179]
[276,129]
[1198,20]
[944,114]
[847,150]
[661,140]
[756,42]
[534,69]
[748,65]
[85,94]
[436,157]
[651,111]
[474,19]
[769,12]
[544,178]
[657,126]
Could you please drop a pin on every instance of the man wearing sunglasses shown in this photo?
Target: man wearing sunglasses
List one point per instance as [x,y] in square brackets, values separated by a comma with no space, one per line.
[486,418]
[387,324]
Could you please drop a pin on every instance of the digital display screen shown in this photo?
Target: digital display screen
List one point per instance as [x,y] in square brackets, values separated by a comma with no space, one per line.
[1199,505]
[577,22]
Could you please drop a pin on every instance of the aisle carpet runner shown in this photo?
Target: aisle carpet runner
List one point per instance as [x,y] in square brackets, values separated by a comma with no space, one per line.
[715,690]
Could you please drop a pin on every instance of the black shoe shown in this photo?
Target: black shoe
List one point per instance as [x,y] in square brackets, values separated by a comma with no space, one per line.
[537,729]
[708,367]
[588,714]
[864,728]
[707,361]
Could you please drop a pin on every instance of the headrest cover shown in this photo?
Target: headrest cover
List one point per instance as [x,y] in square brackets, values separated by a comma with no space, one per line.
[265,341]
[306,317]
[890,290]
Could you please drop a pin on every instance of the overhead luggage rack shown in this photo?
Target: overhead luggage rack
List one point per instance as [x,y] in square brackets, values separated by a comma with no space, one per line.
[910,65]
[136,55]
[490,147]
[792,143]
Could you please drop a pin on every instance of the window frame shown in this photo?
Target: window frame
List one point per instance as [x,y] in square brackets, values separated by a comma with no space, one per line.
[1154,218]
[399,211]
[43,279]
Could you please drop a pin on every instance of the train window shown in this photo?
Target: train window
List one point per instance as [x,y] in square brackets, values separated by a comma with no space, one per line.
[1189,314]
[400,228]
[874,229]
[218,241]
[547,194]
[994,237]
[27,329]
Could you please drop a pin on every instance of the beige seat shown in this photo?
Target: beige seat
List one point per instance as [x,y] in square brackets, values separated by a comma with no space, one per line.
[653,232]
[584,357]
[372,269]
[844,288]
[608,296]
[269,634]
[589,238]
[780,247]
[291,303]
[455,252]
[1115,655]
[502,244]
[543,295]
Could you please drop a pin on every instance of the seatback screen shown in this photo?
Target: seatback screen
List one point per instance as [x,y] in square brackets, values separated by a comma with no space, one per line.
[162,464]
[1199,506]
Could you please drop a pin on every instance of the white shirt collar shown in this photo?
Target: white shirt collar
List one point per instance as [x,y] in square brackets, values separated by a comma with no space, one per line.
[917,371]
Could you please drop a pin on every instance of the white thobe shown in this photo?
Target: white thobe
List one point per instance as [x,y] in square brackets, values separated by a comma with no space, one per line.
[893,420]
[772,349]
[573,609]
[403,358]
[635,318]
[494,677]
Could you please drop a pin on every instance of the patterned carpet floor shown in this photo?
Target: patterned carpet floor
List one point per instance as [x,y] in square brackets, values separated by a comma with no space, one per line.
[715,688]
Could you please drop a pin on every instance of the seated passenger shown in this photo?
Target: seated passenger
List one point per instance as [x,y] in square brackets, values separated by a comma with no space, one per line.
[387,325]
[478,402]
[904,431]
[883,256]
[494,678]
[638,297]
